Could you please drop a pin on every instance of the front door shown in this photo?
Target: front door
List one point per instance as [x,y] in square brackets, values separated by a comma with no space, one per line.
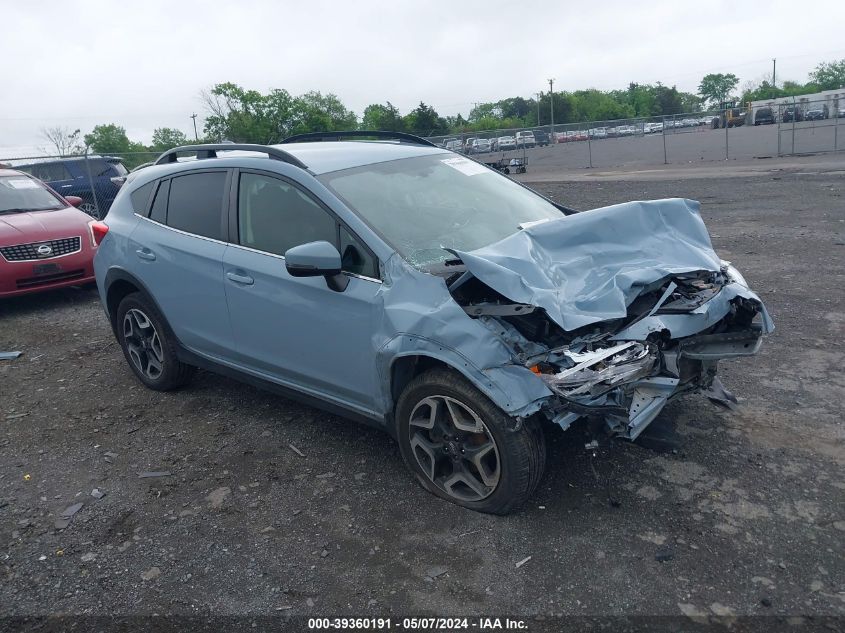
[296,330]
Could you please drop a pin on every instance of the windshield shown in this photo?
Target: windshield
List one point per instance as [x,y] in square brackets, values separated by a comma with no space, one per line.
[421,205]
[21,193]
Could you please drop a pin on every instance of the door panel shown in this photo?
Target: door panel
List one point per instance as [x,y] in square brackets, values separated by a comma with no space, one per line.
[296,329]
[178,253]
[185,275]
[299,331]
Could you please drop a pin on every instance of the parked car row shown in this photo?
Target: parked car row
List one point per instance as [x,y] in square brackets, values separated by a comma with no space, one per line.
[95,179]
[527,139]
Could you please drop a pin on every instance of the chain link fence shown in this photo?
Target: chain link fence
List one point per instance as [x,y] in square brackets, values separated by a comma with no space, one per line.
[93,178]
[780,128]
[739,132]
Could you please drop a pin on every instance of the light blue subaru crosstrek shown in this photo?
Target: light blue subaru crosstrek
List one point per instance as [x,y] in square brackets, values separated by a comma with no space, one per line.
[381,277]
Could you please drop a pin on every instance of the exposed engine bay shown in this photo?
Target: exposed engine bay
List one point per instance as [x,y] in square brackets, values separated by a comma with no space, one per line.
[625,370]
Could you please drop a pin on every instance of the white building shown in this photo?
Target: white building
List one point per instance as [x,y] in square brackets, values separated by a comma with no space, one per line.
[833,99]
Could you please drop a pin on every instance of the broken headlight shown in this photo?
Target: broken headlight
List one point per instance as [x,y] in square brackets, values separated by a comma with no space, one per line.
[733,274]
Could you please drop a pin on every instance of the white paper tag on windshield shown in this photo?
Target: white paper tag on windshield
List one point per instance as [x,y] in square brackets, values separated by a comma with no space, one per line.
[22,183]
[465,166]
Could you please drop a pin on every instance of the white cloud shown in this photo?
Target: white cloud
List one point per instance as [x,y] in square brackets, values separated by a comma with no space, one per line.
[143,64]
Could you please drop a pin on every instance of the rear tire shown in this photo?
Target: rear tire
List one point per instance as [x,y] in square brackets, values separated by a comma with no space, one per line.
[148,345]
[487,463]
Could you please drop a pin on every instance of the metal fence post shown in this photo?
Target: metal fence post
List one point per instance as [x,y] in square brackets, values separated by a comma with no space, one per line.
[726,134]
[93,188]
[663,134]
[589,146]
[794,116]
[780,118]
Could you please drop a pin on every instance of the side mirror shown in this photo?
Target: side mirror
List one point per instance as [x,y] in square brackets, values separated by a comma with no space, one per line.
[74,201]
[317,259]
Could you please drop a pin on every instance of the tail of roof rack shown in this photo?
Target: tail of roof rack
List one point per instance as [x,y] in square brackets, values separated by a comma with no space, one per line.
[210,151]
[402,137]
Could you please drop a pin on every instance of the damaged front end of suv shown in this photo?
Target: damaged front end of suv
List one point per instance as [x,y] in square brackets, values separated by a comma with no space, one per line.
[616,310]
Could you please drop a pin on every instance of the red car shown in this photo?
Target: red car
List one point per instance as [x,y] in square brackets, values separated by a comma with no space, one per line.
[45,242]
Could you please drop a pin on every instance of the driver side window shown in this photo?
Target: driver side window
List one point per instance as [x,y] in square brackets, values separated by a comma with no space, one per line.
[274,215]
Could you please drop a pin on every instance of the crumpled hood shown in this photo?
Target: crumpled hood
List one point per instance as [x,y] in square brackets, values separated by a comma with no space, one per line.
[588,267]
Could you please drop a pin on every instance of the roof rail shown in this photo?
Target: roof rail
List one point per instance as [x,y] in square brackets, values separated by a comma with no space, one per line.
[210,151]
[402,137]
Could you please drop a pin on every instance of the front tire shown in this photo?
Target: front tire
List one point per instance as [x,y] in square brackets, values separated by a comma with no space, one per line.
[463,448]
[148,346]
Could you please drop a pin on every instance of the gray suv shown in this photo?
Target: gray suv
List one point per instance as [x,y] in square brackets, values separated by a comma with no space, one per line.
[409,287]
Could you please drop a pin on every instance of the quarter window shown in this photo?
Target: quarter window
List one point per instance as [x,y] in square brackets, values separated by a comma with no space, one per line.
[196,203]
[140,197]
[354,257]
[159,208]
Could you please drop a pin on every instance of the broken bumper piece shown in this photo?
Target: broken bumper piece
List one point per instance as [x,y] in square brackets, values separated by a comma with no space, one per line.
[628,384]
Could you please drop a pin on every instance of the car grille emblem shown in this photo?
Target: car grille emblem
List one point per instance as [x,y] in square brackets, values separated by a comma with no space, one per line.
[44,250]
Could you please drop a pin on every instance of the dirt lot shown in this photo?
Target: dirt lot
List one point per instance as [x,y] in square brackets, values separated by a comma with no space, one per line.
[745,510]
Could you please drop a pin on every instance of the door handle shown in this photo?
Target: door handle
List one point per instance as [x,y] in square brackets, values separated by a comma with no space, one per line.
[66,186]
[145,253]
[240,278]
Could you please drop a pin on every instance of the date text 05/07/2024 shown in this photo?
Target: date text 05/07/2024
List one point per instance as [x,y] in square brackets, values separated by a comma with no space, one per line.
[418,624]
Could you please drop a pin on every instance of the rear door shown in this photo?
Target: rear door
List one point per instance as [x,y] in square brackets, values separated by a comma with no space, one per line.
[177,251]
[296,330]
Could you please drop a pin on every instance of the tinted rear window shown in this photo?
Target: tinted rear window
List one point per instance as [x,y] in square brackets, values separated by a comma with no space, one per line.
[196,203]
[159,209]
[48,172]
[140,197]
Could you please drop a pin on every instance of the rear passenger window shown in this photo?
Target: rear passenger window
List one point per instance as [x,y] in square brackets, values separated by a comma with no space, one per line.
[49,172]
[196,203]
[159,210]
[141,198]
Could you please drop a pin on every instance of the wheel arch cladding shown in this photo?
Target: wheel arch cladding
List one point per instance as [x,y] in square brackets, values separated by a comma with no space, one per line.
[424,327]
[120,283]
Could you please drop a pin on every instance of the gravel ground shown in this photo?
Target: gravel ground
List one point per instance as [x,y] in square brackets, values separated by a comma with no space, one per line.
[272,507]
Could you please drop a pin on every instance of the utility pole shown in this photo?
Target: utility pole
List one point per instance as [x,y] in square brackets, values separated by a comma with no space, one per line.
[194,117]
[774,86]
[538,95]
[552,107]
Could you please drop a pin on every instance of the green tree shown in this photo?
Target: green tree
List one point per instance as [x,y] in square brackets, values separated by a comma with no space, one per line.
[564,109]
[514,107]
[425,121]
[111,139]
[829,75]
[165,138]
[595,105]
[484,110]
[379,116]
[316,112]
[716,87]
[247,116]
